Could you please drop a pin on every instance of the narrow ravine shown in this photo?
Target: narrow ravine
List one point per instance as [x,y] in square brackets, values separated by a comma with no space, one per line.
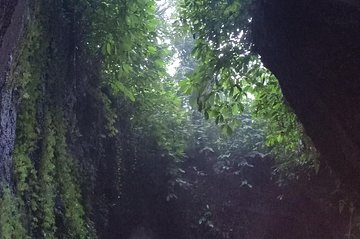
[181,119]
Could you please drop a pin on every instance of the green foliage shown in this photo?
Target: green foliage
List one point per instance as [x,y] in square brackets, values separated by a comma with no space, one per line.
[228,77]
[32,61]
[137,98]
[124,34]
[284,133]
[220,82]
[127,37]
[73,214]
[10,216]
[40,158]
[31,64]
[161,116]
[46,180]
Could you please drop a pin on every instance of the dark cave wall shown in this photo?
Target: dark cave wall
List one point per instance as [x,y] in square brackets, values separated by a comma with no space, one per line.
[313,48]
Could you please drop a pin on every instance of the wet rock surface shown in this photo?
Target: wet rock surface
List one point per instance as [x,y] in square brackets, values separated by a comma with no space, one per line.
[13,18]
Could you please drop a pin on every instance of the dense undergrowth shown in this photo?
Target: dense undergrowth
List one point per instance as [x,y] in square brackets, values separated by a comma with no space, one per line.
[109,145]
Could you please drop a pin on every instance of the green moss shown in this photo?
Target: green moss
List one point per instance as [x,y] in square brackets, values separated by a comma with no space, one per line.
[73,215]
[29,77]
[47,182]
[10,222]
[31,63]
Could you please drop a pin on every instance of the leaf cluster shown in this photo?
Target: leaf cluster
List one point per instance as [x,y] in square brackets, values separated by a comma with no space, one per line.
[229,77]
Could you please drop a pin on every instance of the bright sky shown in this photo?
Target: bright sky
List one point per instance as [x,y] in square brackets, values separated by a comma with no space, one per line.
[175,61]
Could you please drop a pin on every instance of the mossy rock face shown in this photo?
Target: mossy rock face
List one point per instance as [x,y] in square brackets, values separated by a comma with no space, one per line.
[10,217]
[41,195]
[11,32]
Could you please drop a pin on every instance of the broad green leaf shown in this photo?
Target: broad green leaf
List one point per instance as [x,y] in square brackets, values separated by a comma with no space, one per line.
[152,50]
[108,48]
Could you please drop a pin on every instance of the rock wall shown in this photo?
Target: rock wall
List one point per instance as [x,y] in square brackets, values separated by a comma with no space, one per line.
[313,47]
[13,18]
